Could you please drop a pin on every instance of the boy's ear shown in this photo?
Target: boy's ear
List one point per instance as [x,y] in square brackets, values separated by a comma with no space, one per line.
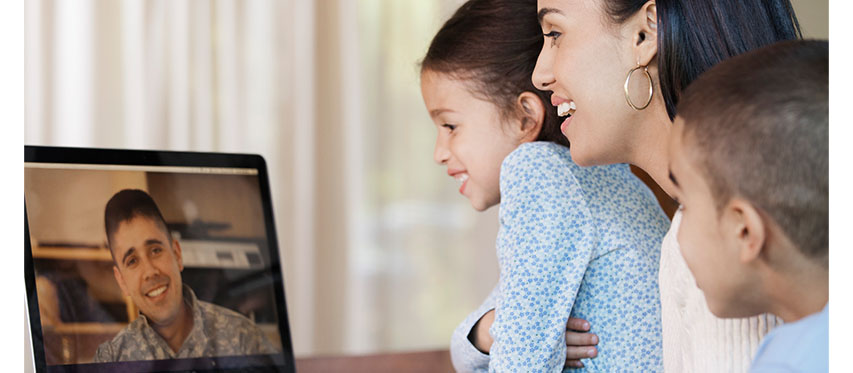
[644,29]
[532,112]
[746,227]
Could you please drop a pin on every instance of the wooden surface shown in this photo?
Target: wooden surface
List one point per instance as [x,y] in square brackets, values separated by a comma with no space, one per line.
[415,362]
[72,253]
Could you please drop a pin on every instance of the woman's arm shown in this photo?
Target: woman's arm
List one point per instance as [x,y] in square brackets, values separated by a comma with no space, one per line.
[545,244]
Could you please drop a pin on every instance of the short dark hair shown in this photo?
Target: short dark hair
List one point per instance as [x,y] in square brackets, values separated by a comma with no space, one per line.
[694,35]
[126,205]
[494,45]
[758,125]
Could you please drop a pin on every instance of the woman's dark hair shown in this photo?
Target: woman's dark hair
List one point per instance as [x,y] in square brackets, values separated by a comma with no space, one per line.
[493,45]
[694,35]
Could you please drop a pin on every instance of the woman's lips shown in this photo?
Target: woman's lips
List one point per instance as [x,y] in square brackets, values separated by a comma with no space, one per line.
[564,127]
[556,100]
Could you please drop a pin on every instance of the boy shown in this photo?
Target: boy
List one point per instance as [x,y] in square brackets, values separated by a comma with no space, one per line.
[749,159]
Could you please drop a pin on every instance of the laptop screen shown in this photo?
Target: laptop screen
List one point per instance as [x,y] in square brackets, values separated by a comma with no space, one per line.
[151,260]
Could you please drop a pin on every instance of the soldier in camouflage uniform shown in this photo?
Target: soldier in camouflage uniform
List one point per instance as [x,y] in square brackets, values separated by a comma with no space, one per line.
[172,323]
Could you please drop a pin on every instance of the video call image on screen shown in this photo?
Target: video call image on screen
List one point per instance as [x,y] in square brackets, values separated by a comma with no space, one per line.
[107,298]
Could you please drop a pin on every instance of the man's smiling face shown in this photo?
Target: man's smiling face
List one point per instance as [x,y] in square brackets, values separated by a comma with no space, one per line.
[148,268]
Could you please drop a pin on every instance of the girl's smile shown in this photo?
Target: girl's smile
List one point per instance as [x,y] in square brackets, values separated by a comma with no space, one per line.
[473,137]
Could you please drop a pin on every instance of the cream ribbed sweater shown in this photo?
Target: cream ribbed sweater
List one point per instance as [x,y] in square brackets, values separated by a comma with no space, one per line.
[694,340]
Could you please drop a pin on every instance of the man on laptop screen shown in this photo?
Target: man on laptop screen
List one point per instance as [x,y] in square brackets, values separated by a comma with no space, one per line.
[172,323]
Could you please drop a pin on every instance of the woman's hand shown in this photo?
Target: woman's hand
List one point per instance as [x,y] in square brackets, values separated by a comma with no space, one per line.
[580,343]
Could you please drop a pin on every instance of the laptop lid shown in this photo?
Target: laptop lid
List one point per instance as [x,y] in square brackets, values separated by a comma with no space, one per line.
[188,278]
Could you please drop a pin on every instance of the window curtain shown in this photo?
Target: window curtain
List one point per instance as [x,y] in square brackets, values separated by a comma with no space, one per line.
[379,251]
[217,76]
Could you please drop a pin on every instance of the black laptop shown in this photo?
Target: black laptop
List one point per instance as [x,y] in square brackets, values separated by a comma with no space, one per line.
[93,307]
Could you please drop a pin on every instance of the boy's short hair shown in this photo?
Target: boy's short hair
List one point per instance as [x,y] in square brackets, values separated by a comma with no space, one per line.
[126,205]
[757,126]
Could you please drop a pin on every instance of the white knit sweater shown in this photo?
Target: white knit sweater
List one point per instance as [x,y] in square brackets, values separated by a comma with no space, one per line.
[694,340]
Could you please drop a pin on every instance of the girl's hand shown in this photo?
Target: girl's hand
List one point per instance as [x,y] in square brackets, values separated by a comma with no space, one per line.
[480,336]
[580,343]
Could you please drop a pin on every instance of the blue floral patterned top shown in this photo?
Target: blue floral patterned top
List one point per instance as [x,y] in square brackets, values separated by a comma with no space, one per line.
[580,242]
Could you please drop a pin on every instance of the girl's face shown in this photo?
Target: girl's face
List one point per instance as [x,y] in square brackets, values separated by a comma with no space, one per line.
[472,139]
[584,60]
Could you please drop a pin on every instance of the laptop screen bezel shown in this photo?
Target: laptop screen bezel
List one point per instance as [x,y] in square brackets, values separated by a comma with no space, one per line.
[122,157]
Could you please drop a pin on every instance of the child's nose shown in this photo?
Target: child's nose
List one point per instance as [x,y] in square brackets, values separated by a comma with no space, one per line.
[441,154]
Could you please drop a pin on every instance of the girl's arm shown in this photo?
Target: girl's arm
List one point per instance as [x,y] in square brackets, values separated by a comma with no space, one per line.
[580,343]
[470,345]
[545,244]
[465,356]
[479,335]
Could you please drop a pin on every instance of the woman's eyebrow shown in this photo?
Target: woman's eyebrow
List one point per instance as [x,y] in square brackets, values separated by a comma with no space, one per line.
[545,11]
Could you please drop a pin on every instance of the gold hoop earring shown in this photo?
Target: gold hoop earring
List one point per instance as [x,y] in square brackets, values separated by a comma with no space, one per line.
[651,88]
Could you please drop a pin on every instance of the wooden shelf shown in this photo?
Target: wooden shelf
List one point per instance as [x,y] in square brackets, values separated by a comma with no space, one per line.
[72,253]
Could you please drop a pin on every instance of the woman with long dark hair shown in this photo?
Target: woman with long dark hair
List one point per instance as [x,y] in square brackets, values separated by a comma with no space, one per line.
[620,66]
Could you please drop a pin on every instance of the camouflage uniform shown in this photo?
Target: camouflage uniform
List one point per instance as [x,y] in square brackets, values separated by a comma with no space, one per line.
[216,331]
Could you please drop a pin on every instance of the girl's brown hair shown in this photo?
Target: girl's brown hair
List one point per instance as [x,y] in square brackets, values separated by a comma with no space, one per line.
[493,45]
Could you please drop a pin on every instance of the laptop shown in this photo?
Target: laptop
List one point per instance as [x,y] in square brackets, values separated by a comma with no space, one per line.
[193,283]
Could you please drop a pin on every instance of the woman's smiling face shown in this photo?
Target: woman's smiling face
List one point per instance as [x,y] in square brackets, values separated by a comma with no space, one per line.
[472,140]
[584,60]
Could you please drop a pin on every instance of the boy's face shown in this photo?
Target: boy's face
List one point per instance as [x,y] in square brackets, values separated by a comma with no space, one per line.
[148,268]
[472,141]
[707,237]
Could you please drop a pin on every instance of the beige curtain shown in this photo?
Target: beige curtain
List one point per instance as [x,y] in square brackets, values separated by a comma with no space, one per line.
[379,252]
[222,76]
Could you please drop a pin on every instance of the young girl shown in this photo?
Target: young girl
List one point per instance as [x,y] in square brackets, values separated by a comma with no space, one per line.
[580,242]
